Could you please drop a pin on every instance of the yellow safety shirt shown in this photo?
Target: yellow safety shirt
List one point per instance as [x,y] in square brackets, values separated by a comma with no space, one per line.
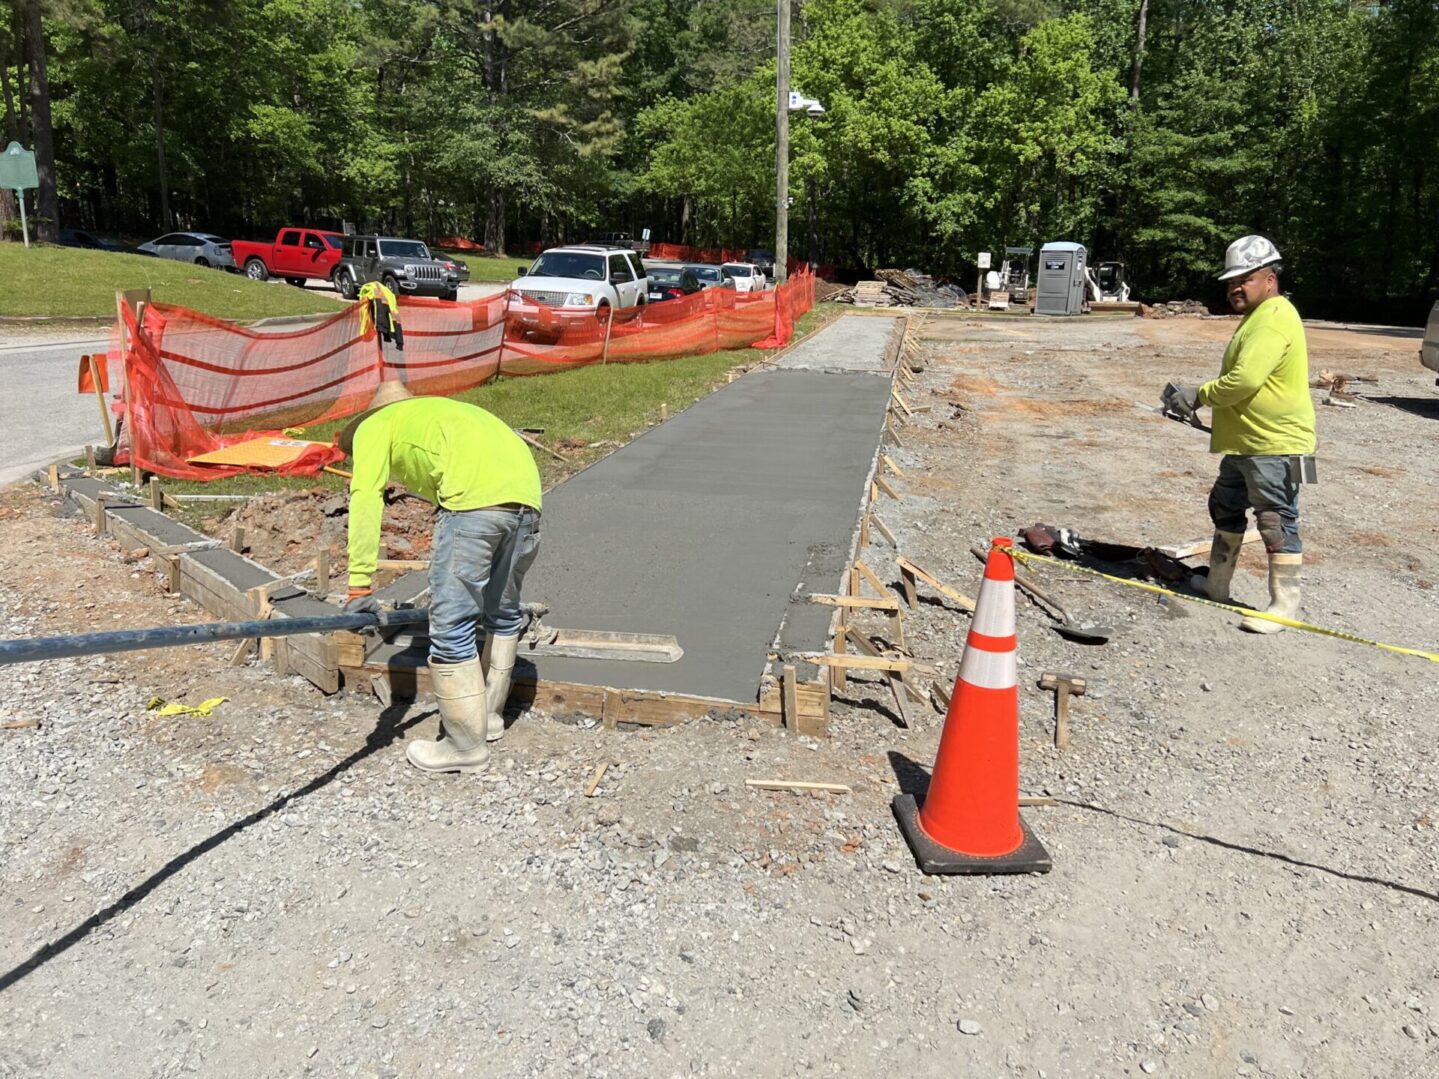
[1261,398]
[456,455]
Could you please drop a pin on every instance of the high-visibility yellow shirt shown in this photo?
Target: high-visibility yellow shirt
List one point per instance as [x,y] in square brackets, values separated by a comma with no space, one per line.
[1261,398]
[456,455]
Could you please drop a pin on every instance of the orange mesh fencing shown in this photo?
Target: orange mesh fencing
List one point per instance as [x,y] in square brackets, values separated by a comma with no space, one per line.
[195,384]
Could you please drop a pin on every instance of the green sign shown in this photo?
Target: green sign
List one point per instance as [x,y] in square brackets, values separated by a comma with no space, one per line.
[17,168]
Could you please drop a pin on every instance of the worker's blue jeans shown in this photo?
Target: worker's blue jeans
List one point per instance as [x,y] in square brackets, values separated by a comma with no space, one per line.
[1261,483]
[477,566]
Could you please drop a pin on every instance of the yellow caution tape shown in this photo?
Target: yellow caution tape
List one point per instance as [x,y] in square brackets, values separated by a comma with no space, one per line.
[203,709]
[1293,623]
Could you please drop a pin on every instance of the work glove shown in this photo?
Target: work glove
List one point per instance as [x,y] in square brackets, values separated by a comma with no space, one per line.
[362,601]
[1182,401]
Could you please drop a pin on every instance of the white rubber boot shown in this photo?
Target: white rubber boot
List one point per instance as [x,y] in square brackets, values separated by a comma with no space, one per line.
[460,690]
[497,684]
[1283,593]
[1223,557]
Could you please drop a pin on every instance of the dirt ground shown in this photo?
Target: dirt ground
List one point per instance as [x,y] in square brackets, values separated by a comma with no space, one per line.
[1244,850]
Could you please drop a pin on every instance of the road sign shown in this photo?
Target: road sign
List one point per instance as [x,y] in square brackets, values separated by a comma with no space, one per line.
[984,260]
[17,168]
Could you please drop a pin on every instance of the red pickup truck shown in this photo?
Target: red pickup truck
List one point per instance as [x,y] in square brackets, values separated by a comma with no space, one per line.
[296,255]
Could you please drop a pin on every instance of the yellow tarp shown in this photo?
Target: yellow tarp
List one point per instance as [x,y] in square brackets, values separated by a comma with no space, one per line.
[257,453]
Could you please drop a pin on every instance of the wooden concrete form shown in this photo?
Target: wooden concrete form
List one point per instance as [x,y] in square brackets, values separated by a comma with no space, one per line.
[794,691]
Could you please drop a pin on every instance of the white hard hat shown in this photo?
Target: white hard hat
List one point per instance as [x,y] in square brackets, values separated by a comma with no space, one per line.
[1246,255]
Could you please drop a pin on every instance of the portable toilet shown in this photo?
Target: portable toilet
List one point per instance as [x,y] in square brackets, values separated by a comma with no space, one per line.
[1062,282]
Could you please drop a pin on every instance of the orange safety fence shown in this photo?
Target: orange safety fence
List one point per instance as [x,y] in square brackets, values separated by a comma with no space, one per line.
[193,384]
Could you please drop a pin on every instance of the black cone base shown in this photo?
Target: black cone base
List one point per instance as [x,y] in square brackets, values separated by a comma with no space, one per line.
[1029,857]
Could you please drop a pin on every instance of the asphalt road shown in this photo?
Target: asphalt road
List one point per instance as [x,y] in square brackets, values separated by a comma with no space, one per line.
[41,416]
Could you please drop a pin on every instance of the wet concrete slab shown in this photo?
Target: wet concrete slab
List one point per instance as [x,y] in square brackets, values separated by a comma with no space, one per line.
[707,525]
[850,343]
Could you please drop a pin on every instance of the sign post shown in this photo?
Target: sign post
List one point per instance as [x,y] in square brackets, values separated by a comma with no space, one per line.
[17,172]
[983,261]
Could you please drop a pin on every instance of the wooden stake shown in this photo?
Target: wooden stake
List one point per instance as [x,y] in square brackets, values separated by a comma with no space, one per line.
[99,516]
[54,475]
[790,695]
[909,569]
[90,461]
[906,579]
[237,538]
[889,463]
[100,396]
[883,485]
[664,412]
[594,782]
[868,575]
[322,572]
[241,651]
[157,497]
[884,531]
[864,530]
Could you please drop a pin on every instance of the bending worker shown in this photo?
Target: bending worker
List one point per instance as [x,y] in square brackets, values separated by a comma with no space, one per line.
[483,480]
[1263,425]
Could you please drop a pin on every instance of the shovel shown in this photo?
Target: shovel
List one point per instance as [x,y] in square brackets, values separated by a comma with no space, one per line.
[1065,626]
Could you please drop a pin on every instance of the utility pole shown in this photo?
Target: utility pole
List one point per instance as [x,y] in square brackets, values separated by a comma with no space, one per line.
[781,143]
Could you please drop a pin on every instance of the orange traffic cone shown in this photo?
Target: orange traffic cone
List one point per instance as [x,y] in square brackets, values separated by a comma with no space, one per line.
[970,821]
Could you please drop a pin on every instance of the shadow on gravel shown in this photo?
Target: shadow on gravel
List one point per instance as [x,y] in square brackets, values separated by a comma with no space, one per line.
[1427,407]
[388,729]
[913,779]
[1215,841]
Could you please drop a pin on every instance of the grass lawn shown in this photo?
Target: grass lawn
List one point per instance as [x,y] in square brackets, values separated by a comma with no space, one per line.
[489,268]
[51,281]
[607,404]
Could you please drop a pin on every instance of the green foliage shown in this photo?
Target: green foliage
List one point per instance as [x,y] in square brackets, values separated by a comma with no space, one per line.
[952,126]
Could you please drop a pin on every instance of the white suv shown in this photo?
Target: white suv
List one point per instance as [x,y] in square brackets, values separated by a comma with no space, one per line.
[585,277]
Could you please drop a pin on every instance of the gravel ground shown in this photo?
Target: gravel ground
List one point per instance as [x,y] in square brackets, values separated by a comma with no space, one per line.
[1244,852]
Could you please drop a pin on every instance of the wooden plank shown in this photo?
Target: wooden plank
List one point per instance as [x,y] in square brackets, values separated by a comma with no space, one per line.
[241,652]
[795,785]
[894,395]
[406,564]
[882,603]
[594,783]
[889,463]
[862,663]
[864,530]
[1201,546]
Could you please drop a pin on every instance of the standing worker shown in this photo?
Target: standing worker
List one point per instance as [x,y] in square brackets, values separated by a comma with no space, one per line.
[1263,425]
[483,480]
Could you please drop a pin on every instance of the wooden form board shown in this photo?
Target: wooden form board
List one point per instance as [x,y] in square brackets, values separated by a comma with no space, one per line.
[313,656]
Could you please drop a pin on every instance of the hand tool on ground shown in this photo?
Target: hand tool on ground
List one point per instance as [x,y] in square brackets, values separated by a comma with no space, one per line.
[539,639]
[1064,685]
[1065,626]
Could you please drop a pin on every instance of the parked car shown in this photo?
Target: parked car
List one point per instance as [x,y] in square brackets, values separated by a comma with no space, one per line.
[459,266]
[745,275]
[670,281]
[93,241]
[405,267]
[1429,350]
[584,277]
[763,259]
[709,275]
[201,248]
[296,255]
